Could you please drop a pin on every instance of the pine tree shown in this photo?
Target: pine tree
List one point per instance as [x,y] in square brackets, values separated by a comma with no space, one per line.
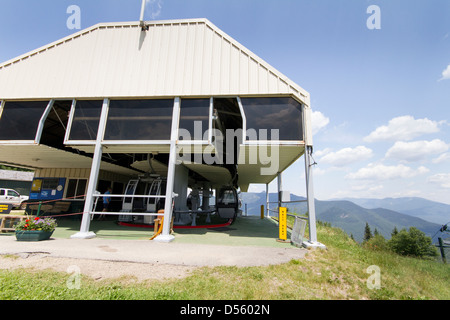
[367,232]
[394,232]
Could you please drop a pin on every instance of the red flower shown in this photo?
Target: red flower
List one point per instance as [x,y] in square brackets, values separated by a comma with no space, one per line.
[36,219]
[26,226]
[28,220]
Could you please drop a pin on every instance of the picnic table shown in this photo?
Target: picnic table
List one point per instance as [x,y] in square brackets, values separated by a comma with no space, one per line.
[10,219]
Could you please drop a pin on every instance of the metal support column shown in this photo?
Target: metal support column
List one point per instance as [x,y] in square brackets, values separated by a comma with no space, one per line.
[310,200]
[168,208]
[267,201]
[93,178]
[280,188]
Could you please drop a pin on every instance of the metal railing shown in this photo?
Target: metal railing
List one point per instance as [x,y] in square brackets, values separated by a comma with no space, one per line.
[127,213]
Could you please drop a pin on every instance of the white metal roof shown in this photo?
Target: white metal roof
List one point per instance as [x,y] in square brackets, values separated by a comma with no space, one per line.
[173,58]
[42,157]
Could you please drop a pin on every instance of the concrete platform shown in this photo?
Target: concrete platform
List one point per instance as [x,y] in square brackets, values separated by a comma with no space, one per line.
[248,242]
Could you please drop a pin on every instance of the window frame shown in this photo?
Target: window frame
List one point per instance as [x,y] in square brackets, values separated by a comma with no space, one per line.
[210,122]
[67,140]
[40,126]
[134,142]
[249,142]
[76,189]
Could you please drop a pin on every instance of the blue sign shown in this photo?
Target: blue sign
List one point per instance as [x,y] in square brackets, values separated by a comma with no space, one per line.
[48,189]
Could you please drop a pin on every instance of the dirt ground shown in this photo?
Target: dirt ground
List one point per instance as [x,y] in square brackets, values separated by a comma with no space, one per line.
[96,269]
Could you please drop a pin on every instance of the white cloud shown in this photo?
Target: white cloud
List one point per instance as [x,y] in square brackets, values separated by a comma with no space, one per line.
[442,179]
[347,156]
[319,171]
[154,7]
[359,191]
[382,172]
[403,128]
[446,73]
[442,158]
[321,153]
[319,121]
[417,150]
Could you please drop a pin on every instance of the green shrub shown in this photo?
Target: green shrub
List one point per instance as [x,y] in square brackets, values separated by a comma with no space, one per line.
[377,242]
[412,243]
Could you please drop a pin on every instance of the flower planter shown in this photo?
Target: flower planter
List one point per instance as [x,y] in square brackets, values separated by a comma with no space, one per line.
[30,235]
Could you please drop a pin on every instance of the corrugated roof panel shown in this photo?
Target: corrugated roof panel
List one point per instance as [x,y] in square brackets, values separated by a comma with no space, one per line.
[180,59]
[186,72]
[194,80]
[263,79]
[244,73]
[234,69]
[173,58]
[253,80]
[273,82]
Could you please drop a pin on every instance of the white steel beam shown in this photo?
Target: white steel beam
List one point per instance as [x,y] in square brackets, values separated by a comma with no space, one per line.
[141,20]
[2,105]
[42,121]
[168,207]
[309,163]
[69,122]
[93,178]
[312,243]
[267,201]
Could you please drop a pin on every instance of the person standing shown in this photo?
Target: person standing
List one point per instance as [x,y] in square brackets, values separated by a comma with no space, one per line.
[106,203]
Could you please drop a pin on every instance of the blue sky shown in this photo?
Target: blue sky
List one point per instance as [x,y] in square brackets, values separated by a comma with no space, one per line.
[380,97]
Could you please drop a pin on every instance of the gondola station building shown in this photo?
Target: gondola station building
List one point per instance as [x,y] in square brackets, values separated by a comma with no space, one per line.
[166,114]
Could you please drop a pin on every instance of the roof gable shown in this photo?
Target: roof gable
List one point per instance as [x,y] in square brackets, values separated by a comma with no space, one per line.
[172,58]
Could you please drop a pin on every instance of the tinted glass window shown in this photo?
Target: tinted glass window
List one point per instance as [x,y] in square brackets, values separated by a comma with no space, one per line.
[76,188]
[85,120]
[228,114]
[284,114]
[194,117]
[81,188]
[20,120]
[71,188]
[56,123]
[139,120]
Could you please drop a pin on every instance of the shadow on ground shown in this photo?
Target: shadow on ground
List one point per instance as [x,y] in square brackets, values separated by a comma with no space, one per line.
[250,231]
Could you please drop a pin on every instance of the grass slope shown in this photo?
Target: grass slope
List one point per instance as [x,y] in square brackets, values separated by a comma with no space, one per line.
[336,273]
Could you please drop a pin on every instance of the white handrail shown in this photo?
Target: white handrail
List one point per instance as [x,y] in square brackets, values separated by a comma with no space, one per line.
[127,196]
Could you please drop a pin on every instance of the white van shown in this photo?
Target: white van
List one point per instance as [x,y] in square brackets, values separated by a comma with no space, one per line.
[10,196]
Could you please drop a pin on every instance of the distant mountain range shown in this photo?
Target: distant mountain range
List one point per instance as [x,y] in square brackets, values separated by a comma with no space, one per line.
[418,207]
[351,215]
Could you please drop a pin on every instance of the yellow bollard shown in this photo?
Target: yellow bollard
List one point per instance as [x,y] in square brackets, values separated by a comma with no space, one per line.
[282,224]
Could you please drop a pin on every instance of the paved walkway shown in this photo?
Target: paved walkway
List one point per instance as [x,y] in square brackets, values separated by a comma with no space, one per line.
[145,251]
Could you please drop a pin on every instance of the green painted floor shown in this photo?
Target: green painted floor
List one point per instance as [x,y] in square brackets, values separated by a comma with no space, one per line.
[246,231]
